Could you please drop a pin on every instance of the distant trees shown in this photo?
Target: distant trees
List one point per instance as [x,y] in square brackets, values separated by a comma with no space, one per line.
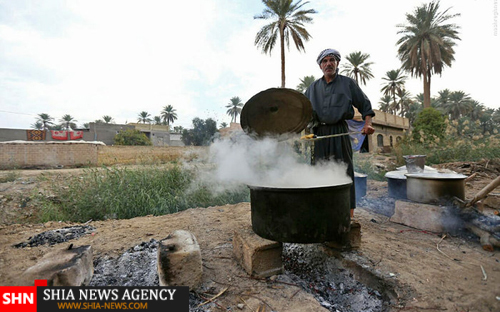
[202,133]
[305,83]
[107,119]
[38,125]
[168,114]
[178,129]
[45,120]
[68,122]
[395,82]
[131,137]
[234,108]
[144,117]
[357,67]
[287,19]
[157,120]
[427,42]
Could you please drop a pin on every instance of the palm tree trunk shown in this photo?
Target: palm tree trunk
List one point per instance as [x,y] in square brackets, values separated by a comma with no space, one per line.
[427,89]
[282,46]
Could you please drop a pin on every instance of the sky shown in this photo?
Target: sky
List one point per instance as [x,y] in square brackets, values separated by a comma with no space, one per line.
[91,58]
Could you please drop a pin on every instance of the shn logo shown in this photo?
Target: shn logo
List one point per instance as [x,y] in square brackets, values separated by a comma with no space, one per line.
[18,298]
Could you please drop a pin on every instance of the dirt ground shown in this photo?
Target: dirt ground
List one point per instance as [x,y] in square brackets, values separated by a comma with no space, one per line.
[413,270]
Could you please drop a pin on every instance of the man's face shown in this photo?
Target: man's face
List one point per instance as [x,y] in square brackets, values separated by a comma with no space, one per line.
[329,65]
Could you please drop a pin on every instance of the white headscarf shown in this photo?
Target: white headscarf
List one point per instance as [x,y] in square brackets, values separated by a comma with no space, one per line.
[326,53]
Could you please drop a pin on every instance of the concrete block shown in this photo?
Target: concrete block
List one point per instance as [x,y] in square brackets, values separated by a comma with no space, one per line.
[66,267]
[425,216]
[179,260]
[259,257]
[351,240]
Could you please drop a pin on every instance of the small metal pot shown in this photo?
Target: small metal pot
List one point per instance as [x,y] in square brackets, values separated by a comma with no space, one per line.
[396,184]
[360,185]
[301,215]
[435,188]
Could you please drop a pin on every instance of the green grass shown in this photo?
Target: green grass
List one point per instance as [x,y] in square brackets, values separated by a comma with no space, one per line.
[110,193]
[10,176]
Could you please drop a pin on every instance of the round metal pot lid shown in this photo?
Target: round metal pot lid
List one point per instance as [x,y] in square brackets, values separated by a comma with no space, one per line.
[360,175]
[426,168]
[436,176]
[397,174]
[276,111]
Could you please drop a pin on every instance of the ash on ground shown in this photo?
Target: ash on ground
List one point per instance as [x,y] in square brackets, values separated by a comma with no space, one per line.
[57,236]
[325,278]
[135,267]
[305,265]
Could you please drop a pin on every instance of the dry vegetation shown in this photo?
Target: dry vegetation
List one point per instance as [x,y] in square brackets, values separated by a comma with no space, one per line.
[143,155]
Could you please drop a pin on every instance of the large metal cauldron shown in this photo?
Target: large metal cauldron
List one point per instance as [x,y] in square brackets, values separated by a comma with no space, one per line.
[435,188]
[301,215]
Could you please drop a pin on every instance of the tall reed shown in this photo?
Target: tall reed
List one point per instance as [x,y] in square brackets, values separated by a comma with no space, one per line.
[111,193]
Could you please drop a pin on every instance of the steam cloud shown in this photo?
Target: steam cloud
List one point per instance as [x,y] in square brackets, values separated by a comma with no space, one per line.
[268,162]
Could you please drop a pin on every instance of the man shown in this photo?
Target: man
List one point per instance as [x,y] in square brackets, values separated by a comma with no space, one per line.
[333,97]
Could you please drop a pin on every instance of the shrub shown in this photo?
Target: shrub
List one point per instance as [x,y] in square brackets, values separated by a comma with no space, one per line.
[429,123]
[460,142]
[131,137]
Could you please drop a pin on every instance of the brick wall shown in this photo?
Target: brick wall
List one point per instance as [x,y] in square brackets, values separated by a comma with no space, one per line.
[47,154]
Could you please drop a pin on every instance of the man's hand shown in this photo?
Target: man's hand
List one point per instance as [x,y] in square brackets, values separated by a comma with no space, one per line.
[368,129]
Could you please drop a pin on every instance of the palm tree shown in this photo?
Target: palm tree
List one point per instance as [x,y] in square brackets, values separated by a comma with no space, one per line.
[144,117]
[157,120]
[234,108]
[426,46]
[107,119]
[68,122]
[444,97]
[419,98]
[395,82]
[385,104]
[358,68]
[168,114]
[46,120]
[459,104]
[413,111]
[477,110]
[223,125]
[487,120]
[404,101]
[305,83]
[178,129]
[288,20]
[38,125]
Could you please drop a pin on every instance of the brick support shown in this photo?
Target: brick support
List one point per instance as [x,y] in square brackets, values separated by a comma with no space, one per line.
[258,256]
